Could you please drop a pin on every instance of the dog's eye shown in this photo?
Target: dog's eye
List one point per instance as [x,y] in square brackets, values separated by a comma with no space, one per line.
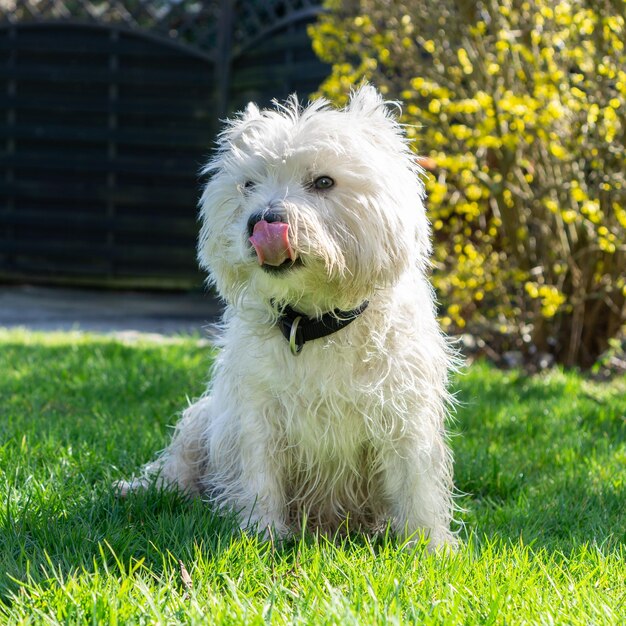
[249,185]
[323,182]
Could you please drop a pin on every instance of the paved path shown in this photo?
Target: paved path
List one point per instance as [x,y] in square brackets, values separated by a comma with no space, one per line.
[46,308]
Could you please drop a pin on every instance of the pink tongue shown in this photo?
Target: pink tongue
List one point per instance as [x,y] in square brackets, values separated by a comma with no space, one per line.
[271,243]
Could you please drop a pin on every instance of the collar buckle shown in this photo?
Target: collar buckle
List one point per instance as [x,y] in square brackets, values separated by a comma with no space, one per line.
[295,339]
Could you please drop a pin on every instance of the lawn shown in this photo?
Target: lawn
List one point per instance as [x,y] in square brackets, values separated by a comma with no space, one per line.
[540,462]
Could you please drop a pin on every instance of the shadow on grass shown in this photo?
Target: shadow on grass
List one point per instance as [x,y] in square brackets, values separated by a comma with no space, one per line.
[72,409]
[46,540]
[156,529]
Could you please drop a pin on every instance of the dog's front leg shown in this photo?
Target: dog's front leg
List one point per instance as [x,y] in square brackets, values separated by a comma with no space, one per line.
[417,484]
[261,502]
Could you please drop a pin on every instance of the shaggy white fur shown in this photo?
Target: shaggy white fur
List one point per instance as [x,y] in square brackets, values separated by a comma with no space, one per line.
[353,426]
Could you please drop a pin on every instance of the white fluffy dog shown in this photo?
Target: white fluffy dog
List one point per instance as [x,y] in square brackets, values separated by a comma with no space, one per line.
[328,398]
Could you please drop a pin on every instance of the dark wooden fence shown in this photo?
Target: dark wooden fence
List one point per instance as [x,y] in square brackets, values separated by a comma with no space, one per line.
[107,112]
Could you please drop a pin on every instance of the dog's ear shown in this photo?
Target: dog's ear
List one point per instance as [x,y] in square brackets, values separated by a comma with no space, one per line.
[366,100]
[236,126]
[251,112]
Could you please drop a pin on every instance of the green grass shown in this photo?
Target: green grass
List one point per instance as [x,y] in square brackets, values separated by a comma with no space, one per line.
[541,461]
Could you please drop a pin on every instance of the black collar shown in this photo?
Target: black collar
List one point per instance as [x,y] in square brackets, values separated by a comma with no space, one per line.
[297,328]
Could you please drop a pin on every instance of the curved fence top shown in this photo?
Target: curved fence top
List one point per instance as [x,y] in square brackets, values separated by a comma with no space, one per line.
[204,24]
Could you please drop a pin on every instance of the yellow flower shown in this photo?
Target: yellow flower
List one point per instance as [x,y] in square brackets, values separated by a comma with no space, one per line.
[434,106]
[606,245]
[531,289]
[591,209]
[461,132]
[484,100]
[569,216]
[551,205]
[429,46]
[473,192]
[557,150]
[464,60]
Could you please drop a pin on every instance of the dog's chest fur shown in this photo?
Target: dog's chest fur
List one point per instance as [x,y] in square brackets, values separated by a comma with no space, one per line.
[321,412]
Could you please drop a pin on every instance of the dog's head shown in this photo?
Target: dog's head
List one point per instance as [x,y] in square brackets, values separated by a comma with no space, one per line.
[313,207]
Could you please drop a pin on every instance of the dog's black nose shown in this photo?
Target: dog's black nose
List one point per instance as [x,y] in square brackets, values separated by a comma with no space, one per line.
[268,215]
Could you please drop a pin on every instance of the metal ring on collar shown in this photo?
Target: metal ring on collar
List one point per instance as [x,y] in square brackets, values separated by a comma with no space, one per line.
[294,346]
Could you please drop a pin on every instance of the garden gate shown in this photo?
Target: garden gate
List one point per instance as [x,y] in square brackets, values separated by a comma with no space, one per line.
[108,109]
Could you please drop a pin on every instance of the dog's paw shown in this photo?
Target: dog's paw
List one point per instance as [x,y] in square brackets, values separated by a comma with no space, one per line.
[122,488]
[266,529]
[433,541]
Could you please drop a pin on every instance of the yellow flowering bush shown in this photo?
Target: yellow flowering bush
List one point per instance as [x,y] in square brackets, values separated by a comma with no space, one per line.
[521,106]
